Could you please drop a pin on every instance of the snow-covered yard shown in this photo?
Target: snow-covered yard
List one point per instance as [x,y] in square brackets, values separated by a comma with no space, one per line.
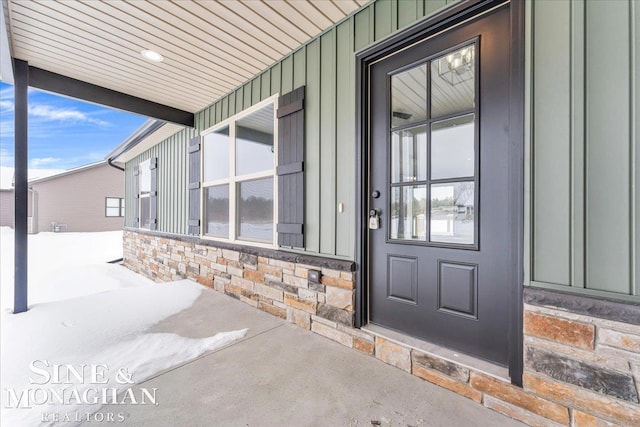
[89,316]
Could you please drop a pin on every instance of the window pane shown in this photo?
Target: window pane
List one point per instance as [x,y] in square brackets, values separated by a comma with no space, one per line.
[144,176]
[409,96]
[408,212]
[452,213]
[452,148]
[144,212]
[216,155]
[255,210]
[254,142]
[113,211]
[217,210]
[453,82]
[113,202]
[409,155]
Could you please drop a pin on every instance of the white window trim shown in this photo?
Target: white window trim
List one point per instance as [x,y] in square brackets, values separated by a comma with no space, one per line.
[232,180]
[144,165]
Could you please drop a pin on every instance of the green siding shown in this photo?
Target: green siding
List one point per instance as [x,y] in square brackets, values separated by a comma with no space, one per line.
[312,149]
[172,183]
[552,133]
[584,219]
[326,65]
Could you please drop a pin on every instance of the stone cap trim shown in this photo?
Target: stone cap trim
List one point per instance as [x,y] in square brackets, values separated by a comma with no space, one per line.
[626,312]
[316,261]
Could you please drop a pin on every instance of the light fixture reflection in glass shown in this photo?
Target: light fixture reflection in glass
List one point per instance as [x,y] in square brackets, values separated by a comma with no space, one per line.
[458,66]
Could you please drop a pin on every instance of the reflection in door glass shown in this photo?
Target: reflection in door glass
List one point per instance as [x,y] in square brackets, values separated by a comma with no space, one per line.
[452,213]
[453,82]
[409,155]
[452,148]
[408,212]
[409,96]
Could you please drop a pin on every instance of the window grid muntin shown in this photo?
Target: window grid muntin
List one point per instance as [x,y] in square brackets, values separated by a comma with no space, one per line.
[429,182]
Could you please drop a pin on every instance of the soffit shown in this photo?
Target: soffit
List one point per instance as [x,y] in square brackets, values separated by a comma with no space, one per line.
[210,47]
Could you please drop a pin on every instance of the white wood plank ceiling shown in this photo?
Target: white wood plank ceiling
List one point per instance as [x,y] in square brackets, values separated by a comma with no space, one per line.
[209,47]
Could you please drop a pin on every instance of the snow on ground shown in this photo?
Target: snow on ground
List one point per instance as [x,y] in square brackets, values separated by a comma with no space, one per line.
[84,311]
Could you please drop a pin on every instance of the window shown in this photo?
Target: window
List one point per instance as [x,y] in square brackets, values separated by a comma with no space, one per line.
[238,176]
[434,151]
[144,193]
[114,206]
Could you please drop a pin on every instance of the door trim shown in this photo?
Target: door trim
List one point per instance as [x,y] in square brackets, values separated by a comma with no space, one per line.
[450,17]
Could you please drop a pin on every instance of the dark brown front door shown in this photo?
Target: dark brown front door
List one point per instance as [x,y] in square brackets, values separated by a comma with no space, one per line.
[439,186]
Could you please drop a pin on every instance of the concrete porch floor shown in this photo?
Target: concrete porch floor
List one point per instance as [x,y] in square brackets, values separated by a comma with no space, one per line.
[282,375]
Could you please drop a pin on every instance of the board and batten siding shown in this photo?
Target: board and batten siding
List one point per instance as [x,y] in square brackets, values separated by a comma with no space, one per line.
[326,66]
[172,183]
[585,140]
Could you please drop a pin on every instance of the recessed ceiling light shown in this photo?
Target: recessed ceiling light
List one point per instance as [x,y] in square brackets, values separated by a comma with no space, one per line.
[152,55]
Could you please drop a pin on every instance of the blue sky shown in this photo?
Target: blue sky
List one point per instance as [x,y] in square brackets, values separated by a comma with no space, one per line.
[63,132]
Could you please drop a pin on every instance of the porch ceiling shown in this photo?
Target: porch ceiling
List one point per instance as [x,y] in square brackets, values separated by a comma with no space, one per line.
[209,47]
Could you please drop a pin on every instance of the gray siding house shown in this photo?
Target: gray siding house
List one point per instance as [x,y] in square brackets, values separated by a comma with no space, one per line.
[6,207]
[86,198]
[451,187]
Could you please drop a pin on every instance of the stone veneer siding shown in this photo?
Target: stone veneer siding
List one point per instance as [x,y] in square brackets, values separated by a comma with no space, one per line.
[580,370]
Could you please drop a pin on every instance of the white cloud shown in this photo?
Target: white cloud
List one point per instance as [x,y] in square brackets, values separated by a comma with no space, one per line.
[6,105]
[6,157]
[48,112]
[44,161]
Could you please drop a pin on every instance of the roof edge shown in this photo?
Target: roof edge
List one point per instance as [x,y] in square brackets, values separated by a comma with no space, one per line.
[139,135]
[68,172]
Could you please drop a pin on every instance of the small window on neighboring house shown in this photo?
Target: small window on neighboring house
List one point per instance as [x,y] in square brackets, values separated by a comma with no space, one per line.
[114,206]
[238,189]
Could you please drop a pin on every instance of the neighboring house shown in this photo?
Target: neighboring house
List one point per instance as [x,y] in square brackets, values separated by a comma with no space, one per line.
[6,207]
[450,187]
[7,195]
[86,198]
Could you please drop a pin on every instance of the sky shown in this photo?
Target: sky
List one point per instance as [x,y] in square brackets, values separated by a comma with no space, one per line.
[63,132]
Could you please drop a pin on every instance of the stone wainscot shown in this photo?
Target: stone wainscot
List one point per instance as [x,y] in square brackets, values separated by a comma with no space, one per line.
[581,369]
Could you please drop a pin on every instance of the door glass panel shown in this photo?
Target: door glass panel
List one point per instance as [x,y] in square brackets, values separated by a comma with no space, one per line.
[452,148]
[409,155]
[452,213]
[216,155]
[255,210]
[408,212]
[453,82]
[409,96]
[216,200]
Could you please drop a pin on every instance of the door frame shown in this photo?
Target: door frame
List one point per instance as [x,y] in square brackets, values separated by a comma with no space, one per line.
[435,24]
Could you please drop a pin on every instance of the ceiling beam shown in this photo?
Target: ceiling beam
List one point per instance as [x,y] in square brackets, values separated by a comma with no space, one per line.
[63,85]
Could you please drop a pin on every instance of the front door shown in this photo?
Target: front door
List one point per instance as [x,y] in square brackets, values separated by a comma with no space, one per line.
[439,169]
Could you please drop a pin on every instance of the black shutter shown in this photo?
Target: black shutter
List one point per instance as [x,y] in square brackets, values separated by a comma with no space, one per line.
[194,186]
[136,195]
[291,169]
[153,195]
